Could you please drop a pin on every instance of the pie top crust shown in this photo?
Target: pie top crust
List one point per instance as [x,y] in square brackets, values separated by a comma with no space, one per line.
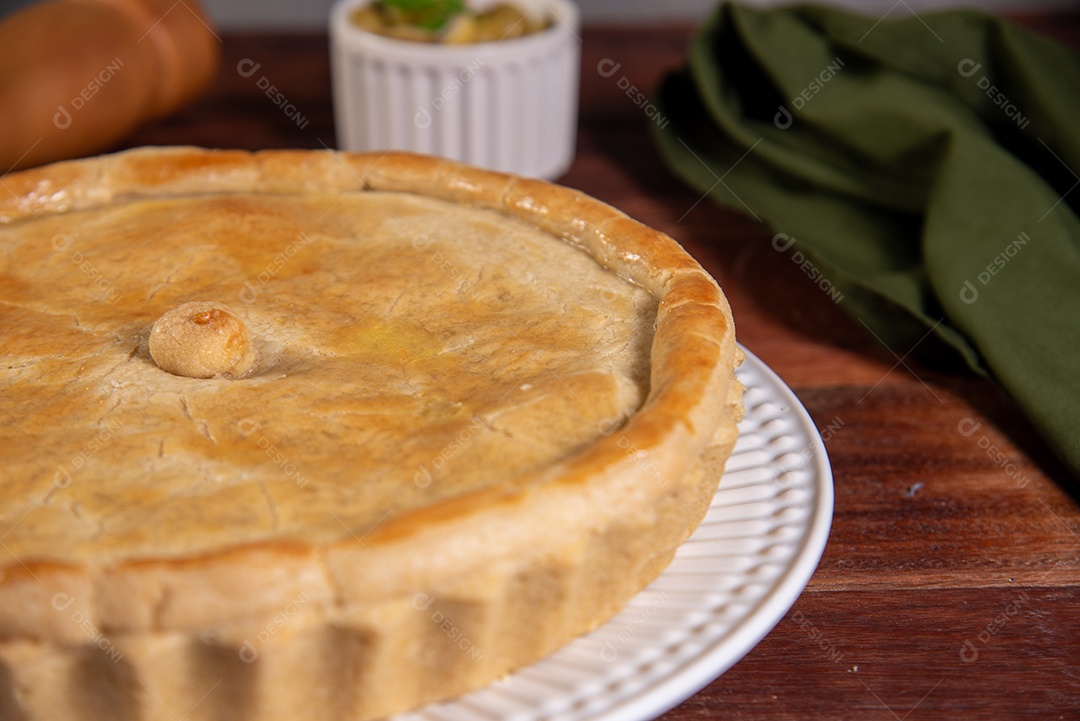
[451,365]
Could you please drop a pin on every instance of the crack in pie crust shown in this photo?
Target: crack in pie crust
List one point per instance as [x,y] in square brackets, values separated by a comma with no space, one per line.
[482,414]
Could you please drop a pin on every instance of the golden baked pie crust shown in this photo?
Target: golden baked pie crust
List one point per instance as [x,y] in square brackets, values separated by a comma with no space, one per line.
[519,569]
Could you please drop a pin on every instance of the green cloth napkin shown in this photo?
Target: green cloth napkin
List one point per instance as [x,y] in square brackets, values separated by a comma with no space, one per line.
[924,167]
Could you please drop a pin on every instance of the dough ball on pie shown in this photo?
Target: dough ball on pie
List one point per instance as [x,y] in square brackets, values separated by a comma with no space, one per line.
[202,340]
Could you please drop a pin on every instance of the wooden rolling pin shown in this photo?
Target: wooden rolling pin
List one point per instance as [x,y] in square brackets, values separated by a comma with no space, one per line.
[76,76]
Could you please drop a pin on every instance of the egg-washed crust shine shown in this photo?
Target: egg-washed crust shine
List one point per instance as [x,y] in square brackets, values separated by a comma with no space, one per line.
[592,526]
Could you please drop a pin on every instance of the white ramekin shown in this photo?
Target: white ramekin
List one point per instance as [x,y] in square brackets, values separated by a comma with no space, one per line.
[508,105]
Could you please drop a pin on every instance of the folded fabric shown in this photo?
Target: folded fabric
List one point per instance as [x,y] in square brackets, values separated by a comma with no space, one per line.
[925,165]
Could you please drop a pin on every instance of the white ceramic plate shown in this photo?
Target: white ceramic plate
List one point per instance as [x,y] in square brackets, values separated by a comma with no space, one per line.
[729,585]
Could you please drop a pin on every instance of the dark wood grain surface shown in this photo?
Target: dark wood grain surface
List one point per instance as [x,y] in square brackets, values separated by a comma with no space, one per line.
[937,541]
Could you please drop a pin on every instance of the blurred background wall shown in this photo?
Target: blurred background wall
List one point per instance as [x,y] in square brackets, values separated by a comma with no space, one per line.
[312,14]
[290,13]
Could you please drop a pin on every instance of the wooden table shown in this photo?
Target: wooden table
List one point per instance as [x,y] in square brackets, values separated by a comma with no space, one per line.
[950,587]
